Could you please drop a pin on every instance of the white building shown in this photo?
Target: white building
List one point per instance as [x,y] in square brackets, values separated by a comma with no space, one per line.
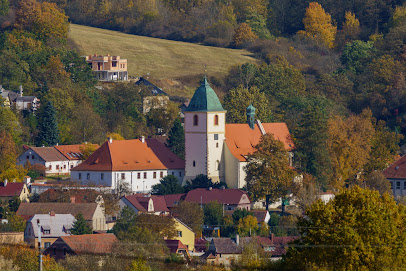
[141,163]
[57,160]
[220,150]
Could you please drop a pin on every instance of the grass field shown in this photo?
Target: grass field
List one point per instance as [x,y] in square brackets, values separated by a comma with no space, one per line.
[162,59]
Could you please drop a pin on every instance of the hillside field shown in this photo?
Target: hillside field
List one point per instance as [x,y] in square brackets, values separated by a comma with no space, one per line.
[166,61]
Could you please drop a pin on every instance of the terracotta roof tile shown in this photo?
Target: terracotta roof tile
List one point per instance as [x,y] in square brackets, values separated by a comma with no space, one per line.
[223,196]
[11,189]
[71,152]
[281,244]
[241,139]
[91,243]
[168,158]
[29,209]
[140,202]
[124,155]
[397,170]
[173,200]
[260,215]
[174,245]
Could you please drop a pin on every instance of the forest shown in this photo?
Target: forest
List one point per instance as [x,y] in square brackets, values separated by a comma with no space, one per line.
[334,73]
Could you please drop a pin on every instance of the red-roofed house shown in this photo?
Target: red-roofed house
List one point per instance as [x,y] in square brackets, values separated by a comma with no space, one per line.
[396,174]
[57,160]
[177,247]
[145,204]
[98,244]
[8,190]
[140,163]
[230,198]
[220,150]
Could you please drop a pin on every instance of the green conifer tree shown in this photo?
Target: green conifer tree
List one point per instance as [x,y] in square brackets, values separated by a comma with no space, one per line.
[80,226]
[176,139]
[48,127]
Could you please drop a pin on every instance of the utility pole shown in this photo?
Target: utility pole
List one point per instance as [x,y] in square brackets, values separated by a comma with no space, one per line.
[39,247]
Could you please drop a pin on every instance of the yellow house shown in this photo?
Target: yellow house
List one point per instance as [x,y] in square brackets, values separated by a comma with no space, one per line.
[185,234]
[9,190]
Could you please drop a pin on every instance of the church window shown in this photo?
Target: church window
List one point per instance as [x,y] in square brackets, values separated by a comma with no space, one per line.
[216,136]
[216,120]
[195,120]
[194,163]
[217,165]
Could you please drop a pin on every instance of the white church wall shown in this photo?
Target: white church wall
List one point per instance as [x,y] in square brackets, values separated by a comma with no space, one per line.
[231,165]
[241,174]
[215,142]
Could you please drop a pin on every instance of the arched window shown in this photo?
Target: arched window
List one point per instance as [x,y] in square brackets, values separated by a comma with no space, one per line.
[195,120]
[194,163]
[216,120]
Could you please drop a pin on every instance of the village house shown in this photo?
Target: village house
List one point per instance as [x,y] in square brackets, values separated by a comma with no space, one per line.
[18,101]
[396,175]
[92,212]
[108,68]
[8,190]
[56,160]
[99,244]
[177,247]
[222,251]
[157,99]
[140,163]
[52,226]
[185,234]
[142,203]
[224,155]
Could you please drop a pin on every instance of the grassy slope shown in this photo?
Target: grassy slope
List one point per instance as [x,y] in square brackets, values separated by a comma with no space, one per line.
[162,59]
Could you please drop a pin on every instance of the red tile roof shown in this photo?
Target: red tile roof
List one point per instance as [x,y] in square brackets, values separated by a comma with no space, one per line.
[397,170]
[72,152]
[175,245]
[281,243]
[167,157]
[11,189]
[260,215]
[223,196]
[90,243]
[241,139]
[127,155]
[140,202]
[173,200]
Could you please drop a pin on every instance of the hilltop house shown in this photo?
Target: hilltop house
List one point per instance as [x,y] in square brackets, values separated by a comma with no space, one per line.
[140,163]
[225,148]
[51,226]
[8,190]
[396,174]
[18,101]
[100,244]
[57,160]
[92,212]
[108,68]
[157,99]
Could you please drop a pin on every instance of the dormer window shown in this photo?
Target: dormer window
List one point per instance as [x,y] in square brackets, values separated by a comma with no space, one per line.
[195,120]
[216,120]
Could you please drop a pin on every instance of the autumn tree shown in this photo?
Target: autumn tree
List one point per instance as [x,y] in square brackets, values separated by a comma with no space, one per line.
[87,149]
[176,139]
[8,156]
[114,136]
[48,127]
[238,99]
[318,25]
[243,34]
[357,230]
[213,213]
[167,185]
[247,226]
[191,214]
[4,7]
[351,28]
[377,181]
[268,171]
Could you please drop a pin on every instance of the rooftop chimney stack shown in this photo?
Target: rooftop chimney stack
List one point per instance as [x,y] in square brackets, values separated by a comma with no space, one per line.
[237,239]
[110,140]
[251,116]
[21,90]
[142,139]
[5,182]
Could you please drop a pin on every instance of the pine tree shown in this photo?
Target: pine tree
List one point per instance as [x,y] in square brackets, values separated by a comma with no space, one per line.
[176,139]
[48,127]
[80,226]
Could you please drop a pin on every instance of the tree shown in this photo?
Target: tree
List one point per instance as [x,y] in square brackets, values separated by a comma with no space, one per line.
[247,226]
[202,181]
[243,34]
[126,220]
[114,136]
[88,149]
[80,226]
[4,7]
[239,214]
[161,226]
[48,127]
[191,214]
[357,230]
[307,192]
[8,156]
[318,25]
[357,55]
[16,222]
[253,256]
[176,139]
[213,213]
[167,185]
[377,181]
[238,99]
[268,171]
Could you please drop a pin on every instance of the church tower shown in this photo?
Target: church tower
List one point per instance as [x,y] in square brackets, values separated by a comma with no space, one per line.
[205,120]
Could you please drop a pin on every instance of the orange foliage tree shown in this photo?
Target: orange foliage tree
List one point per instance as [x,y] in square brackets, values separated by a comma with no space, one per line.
[318,25]
[243,34]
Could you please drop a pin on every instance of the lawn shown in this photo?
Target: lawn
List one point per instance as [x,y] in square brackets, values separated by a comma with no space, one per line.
[160,58]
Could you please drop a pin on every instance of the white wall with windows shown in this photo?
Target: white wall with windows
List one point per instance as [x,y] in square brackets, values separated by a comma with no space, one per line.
[398,187]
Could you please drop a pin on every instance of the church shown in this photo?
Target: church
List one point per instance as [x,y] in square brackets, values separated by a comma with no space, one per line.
[220,150]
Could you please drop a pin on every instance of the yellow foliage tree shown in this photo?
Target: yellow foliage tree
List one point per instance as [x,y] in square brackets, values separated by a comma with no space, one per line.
[318,25]
[88,149]
[8,168]
[114,136]
[243,34]
[351,25]
[247,226]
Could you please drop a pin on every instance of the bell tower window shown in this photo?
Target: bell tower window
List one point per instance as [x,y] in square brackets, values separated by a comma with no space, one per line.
[195,120]
[216,120]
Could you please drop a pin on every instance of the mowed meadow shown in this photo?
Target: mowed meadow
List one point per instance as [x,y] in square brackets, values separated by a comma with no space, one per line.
[159,59]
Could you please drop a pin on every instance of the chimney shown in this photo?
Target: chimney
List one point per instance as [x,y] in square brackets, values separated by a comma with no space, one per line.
[72,199]
[27,180]
[272,237]
[142,139]
[110,140]
[210,188]
[237,239]
[21,90]
[57,144]
[251,116]
[52,213]
[5,182]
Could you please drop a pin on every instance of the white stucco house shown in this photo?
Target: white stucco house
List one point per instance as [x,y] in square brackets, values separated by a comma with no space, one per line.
[141,163]
[220,150]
